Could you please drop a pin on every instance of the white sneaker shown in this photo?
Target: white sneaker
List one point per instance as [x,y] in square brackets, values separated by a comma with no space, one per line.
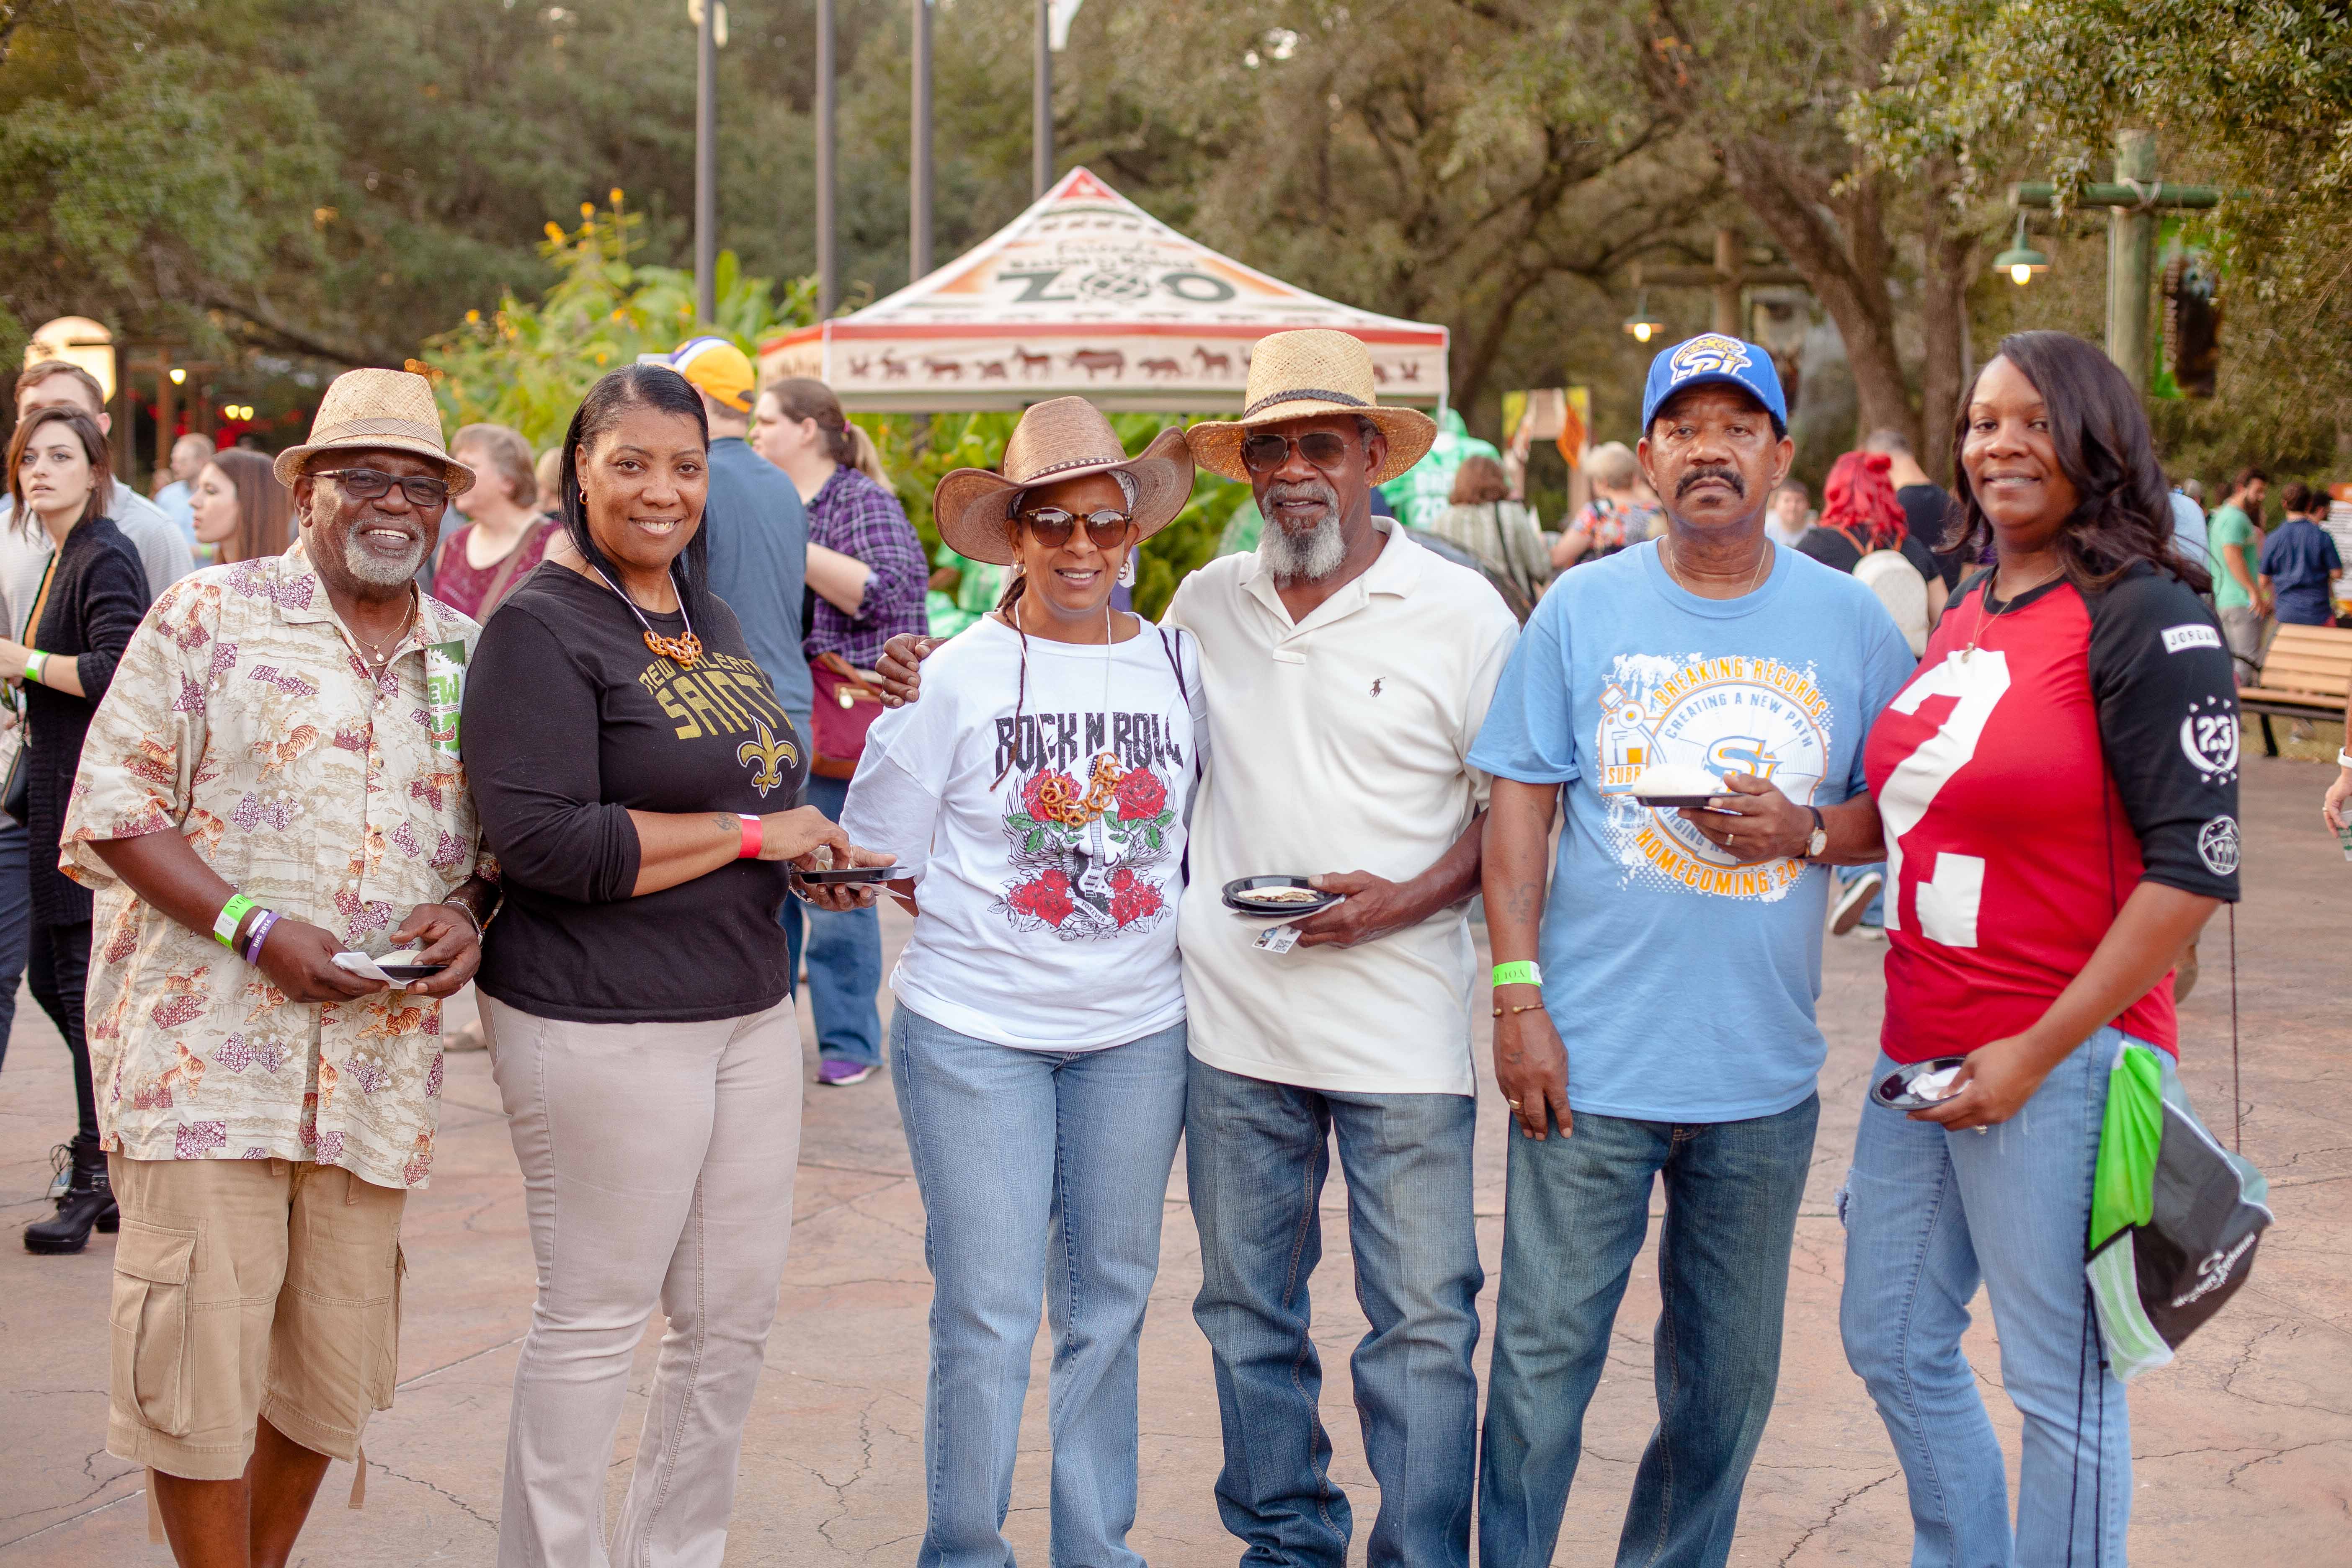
[1846,913]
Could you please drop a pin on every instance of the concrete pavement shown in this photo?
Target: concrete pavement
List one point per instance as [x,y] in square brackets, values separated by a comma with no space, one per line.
[2243,1450]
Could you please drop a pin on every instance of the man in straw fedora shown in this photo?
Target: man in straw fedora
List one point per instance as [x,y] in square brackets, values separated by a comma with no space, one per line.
[272,779]
[1345,672]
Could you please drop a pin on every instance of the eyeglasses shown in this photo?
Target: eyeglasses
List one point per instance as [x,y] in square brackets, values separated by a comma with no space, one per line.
[367,484]
[1264,453]
[1052,526]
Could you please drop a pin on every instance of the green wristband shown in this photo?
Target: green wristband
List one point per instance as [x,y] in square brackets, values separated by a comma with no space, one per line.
[1523,972]
[231,915]
[33,662]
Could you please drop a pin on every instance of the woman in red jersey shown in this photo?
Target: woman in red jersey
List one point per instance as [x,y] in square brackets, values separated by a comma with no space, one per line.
[2058,786]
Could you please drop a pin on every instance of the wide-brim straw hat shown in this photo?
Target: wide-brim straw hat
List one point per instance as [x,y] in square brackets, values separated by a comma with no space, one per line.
[377,410]
[1061,438]
[1300,374]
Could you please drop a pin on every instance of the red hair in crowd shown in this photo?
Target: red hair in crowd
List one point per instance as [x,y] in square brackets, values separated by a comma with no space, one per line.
[1858,500]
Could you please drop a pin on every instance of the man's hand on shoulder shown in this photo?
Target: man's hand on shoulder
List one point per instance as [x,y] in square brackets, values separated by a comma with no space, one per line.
[900,668]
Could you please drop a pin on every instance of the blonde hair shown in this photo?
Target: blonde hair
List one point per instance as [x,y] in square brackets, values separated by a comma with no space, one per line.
[867,457]
[550,474]
[1611,464]
[505,454]
[1478,480]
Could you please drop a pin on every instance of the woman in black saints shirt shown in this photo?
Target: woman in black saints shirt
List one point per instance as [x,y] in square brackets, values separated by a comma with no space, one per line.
[636,780]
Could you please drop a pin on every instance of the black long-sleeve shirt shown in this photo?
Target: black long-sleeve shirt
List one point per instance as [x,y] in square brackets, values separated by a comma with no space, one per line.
[97,594]
[571,721]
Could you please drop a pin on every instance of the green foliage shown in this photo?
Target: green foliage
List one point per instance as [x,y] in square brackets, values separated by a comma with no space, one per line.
[951,441]
[2253,95]
[528,365]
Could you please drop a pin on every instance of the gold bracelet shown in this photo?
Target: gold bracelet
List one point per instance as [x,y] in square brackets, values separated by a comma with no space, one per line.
[1530,1007]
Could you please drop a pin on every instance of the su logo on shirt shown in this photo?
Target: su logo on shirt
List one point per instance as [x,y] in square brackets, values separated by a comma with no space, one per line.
[1730,714]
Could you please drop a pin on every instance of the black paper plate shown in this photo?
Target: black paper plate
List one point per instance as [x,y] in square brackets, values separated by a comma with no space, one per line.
[1673,802]
[1239,885]
[1894,1088]
[412,971]
[849,876]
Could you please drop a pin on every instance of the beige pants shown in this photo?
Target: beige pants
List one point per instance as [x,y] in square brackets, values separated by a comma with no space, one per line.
[657,1166]
[249,1288]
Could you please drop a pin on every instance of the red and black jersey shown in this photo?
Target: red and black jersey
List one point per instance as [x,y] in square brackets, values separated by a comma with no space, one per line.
[2049,755]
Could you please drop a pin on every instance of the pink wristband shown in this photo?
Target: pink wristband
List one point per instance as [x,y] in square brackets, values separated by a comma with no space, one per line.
[751,850]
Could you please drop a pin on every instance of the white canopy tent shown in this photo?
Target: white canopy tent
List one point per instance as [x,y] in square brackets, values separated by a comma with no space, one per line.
[1086,294]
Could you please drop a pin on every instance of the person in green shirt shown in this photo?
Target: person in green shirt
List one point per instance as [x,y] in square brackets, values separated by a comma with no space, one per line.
[2234,540]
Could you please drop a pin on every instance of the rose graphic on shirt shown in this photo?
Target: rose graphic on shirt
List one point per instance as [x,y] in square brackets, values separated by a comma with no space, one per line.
[1084,843]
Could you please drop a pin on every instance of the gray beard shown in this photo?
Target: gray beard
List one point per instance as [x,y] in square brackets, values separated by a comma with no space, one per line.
[1316,553]
[372,568]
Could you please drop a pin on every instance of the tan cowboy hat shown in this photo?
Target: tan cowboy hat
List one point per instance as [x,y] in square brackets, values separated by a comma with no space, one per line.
[382,409]
[1061,438]
[1297,375]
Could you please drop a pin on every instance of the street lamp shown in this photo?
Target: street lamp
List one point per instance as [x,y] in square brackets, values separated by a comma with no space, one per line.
[1640,326]
[2021,260]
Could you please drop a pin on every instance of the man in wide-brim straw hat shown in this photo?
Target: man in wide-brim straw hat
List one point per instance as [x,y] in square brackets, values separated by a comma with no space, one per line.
[1345,672]
[261,791]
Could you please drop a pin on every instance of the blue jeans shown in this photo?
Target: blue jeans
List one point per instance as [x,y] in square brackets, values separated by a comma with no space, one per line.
[1576,1212]
[16,921]
[1042,1173]
[845,959]
[1256,1154]
[1929,1213]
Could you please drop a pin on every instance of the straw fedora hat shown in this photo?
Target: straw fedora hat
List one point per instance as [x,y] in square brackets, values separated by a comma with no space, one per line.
[1297,375]
[1061,438]
[378,409]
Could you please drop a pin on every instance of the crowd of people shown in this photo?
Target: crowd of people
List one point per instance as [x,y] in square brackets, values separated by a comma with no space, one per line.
[668,726]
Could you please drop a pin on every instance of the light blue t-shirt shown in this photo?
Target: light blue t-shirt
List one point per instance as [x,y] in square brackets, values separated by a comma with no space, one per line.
[1682,985]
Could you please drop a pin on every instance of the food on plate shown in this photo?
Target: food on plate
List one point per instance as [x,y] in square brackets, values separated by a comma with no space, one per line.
[1279,896]
[1937,1085]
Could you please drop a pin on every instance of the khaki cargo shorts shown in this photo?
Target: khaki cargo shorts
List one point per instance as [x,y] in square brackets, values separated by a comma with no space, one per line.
[249,1288]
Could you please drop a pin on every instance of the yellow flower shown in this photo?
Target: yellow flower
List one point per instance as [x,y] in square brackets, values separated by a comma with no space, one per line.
[600,356]
[587,209]
[473,315]
[617,196]
[554,231]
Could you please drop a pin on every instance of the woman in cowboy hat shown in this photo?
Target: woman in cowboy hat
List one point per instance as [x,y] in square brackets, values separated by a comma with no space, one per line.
[1038,796]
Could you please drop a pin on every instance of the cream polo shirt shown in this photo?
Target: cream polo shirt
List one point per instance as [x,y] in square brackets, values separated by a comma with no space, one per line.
[1338,743]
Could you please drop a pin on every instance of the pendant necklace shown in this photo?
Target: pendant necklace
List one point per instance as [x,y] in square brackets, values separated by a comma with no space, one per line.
[680,651]
[375,654]
[1985,619]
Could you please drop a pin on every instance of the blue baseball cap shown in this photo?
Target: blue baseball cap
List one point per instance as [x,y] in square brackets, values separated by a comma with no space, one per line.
[1713,356]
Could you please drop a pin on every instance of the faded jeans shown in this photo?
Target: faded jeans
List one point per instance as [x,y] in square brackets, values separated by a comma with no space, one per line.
[658,1165]
[1928,1215]
[1044,1174]
[1576,1212]
[1256,1155]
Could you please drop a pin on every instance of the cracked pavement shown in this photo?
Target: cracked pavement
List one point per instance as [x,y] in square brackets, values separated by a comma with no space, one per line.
[2248,1438]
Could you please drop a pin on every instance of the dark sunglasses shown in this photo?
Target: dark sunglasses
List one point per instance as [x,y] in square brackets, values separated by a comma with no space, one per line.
[1264,453]
[367,484]
[1052,526]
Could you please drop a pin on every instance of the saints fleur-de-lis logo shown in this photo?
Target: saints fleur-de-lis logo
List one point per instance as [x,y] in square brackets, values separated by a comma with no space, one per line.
[770,755]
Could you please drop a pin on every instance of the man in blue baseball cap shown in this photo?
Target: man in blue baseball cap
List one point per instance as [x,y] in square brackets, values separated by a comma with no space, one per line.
[1656,1023]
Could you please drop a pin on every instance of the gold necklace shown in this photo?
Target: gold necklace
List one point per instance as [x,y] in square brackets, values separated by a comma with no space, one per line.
[1985,619]
[1763,561]
[374,652]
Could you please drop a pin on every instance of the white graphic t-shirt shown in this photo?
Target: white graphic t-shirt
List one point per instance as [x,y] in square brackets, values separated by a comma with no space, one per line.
[1045,819]
[1682,981]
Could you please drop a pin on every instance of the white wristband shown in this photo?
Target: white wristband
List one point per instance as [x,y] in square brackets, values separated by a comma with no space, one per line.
[2344,759]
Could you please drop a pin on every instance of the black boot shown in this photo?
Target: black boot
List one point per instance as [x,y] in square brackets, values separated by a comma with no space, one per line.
[89,1201]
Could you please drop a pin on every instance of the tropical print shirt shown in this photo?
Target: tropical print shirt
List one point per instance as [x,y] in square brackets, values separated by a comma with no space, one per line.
[242,718]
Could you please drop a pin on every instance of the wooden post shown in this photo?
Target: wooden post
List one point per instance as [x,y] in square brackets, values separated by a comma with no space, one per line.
[1041,105]
[705,166]
[919,160]
[828,274]
[1728,281]
[167,417]
[2131,253]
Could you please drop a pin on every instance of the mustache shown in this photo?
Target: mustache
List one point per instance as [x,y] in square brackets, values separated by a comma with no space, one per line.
[1711,471]
[1307,489]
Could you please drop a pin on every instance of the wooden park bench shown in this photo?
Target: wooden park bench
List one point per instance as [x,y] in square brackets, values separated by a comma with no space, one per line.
[2305,674]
